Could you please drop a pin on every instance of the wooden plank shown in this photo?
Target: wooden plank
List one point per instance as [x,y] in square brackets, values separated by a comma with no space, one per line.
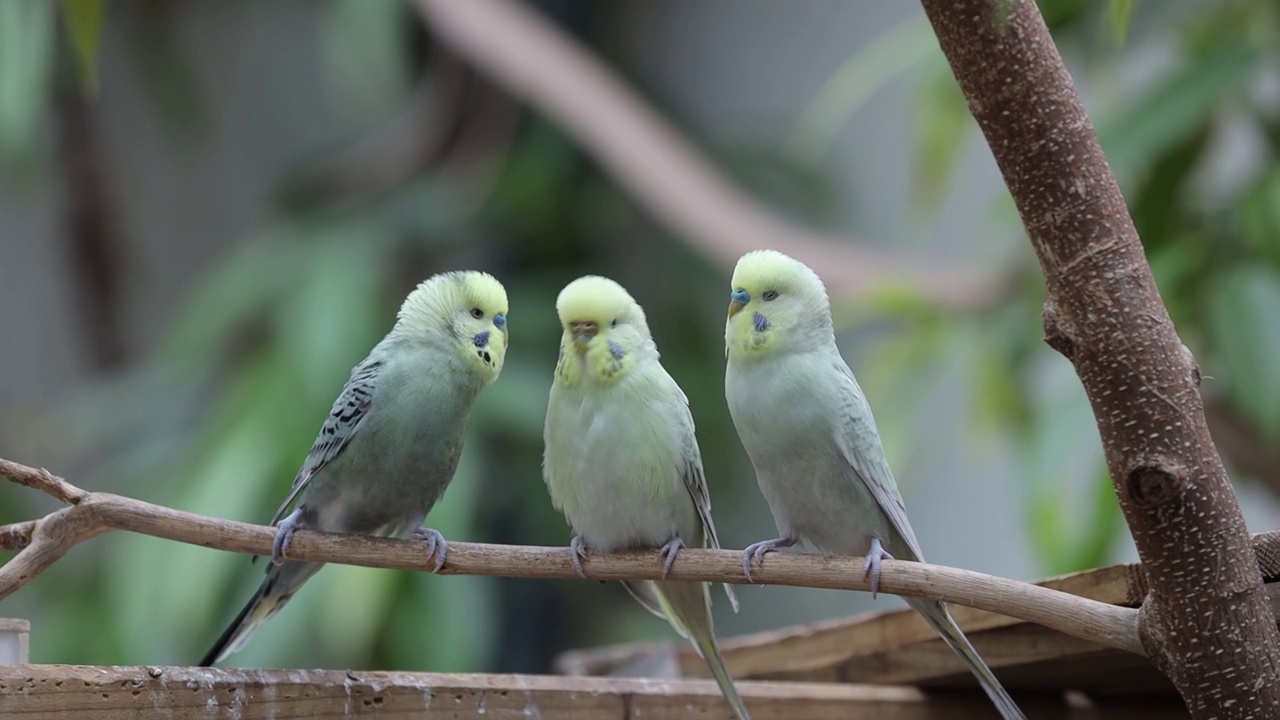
[897,647]
[74,692]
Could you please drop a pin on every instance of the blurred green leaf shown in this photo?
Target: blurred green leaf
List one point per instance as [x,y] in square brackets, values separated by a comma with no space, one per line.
[1243,312]
[1176,107]
[1072,516]
[940,125]
[335,315]
[1121,11]
[1259,218]
[250,279]
[83,20]
[26,74]
[865,72]
[364,48]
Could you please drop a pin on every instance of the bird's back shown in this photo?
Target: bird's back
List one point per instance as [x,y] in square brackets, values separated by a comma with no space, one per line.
[399,463]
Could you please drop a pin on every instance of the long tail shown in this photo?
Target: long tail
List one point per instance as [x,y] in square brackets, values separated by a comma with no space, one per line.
[935,613]
[280,584]
[687,606]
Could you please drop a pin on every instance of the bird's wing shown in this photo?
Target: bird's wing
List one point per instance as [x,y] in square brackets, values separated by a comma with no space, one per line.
[342,424]
[858,441]
[695,481]
[645,593]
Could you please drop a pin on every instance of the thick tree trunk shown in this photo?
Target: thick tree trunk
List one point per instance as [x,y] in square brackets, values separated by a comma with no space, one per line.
[1206,622]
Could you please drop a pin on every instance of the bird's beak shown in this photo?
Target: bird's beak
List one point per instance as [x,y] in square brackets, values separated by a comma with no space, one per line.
[735,307]
[582,333]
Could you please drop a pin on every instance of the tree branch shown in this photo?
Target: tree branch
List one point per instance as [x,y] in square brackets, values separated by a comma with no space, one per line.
[647,156]
[1206,622]
[96,513]
[42,480]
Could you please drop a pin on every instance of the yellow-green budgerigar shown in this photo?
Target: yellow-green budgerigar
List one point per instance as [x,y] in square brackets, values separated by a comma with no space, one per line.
[391,443]
[621,460]
[809,432]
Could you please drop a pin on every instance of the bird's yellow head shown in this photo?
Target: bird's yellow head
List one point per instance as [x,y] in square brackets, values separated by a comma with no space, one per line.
[775,303]
[464,310]
[605,331]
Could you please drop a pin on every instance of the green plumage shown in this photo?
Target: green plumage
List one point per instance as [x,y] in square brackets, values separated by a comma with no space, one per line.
[391,442]
[621,459]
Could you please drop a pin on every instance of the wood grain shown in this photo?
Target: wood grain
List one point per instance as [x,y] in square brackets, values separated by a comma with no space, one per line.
[71,692]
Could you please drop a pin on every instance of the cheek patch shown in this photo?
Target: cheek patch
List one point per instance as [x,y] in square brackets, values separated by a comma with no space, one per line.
[616,350]
[761,322]
[481,339]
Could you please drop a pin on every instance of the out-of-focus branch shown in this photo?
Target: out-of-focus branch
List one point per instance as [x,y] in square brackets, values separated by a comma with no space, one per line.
[96,513]
[92,236]
[664,171]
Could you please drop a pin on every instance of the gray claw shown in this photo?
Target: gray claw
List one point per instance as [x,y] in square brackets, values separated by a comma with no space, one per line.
[578,553]
[437,546]
[668,553]
[871,565]
[757,551]
[284,536]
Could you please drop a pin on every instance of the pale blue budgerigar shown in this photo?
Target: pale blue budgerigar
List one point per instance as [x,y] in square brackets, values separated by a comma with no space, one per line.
[621,459]
[390,445]
[809,432]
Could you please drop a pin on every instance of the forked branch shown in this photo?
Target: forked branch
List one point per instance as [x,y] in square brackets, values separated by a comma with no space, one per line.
[45,540]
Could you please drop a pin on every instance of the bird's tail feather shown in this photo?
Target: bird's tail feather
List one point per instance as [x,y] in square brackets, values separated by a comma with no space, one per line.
[276,589]
[936,614]
[688,609]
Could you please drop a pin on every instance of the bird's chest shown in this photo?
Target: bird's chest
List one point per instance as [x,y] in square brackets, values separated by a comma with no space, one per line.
[613,469]
[787,424]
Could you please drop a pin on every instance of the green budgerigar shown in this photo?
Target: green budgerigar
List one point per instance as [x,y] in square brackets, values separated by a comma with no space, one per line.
[390,445]
[621,460]
[809,432]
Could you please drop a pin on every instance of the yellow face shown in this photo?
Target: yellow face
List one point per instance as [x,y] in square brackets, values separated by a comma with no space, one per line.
[770,295]
[481,322]
[748,330]
[604,330]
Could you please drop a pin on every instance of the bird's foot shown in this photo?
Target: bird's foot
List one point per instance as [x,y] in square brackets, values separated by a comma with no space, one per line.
[871,566]
[437,546]
[578,553]
[284,535]
[757,551]
[668,554]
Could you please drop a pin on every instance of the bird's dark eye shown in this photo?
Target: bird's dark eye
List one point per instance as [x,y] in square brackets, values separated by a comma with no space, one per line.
[614,323]
[477,313]
[770,295]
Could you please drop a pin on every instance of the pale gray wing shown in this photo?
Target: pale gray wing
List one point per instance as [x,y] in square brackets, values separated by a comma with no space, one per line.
[646,594]
[695,481]
[858,441]
[343,422]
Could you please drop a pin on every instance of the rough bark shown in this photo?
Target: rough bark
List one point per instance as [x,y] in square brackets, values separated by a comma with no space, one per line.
[1206,622]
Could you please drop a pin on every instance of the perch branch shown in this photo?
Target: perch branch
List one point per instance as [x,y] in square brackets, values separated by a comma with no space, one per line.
[96,513]
[664,171]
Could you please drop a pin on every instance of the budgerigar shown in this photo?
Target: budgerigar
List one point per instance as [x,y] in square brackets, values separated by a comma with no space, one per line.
[622,462]
[810,434]
[391,443]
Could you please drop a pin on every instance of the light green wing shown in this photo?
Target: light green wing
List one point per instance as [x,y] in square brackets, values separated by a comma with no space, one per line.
[695,481]
[858,440]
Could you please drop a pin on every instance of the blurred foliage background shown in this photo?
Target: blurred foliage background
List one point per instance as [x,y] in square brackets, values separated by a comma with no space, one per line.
[209,211]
